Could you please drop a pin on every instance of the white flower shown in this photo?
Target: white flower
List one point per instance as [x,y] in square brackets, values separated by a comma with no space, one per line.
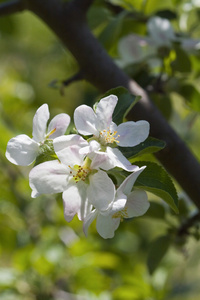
[134,49]
[161,31]
[106,134]
[22,150]
[126,204]
[99,123]
[79,178]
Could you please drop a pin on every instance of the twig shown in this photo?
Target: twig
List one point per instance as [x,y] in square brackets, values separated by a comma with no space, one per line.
[11,7]
[78,76]
[61,84]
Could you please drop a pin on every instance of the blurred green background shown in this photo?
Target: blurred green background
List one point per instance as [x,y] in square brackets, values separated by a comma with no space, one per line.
[41,256]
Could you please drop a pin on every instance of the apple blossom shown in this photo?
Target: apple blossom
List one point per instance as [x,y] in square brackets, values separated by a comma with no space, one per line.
[76,176]
[126,204]
[106,134]
[134,48]
[99,123]
[22,150]
[161,31]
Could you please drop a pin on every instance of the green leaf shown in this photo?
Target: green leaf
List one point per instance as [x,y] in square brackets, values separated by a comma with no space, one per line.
[111,33]
[155,211]
[163,102]
[158,249]
[191,95]
[182,62]
[150,145]
[166,14]
[124,105]
[156,180]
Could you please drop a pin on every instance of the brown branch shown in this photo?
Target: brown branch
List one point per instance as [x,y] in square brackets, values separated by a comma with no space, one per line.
[11,7]
[100,71]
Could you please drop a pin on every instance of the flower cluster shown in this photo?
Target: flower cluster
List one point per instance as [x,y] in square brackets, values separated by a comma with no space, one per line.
[79,164]
[135,48]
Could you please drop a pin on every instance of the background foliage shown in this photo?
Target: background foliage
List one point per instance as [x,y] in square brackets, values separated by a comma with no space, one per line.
[43,257]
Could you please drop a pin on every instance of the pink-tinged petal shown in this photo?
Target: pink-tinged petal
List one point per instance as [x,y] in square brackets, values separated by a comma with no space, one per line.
[104,111]
[72,200]
[132,133]
[116,159]
[85,120]
[137,204]
[99,159]
[106,225]
[67,148]
[88,220]
[22,150]
[128,183]
[101,191]
[58,125]
[49,177]
[40,123]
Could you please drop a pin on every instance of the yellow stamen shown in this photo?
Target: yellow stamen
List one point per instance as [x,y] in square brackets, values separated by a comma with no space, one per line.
[108,137]
[50,133]
[79,172]
[121,214]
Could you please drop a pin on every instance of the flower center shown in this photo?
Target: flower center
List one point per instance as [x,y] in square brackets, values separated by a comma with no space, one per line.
[108,137]
[121,214]
[81,172]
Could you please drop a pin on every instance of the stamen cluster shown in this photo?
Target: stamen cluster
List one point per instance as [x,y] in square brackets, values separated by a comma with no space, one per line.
[107,137]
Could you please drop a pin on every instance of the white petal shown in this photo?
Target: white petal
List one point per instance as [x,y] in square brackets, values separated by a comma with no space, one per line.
[101,190]
[106,226]
[99,159]
[59,123]
[137,203]
[67,148]
[128,183]
[85,205]
[85,120]
[132,133]
[40,123]
[92,147]
[22,150]
[119,204]
[88,220]
[116,159]
[72,200]
[48,178]
[104,111]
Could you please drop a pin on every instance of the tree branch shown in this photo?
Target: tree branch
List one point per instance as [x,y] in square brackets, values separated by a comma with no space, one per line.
[7,8]
[100,70]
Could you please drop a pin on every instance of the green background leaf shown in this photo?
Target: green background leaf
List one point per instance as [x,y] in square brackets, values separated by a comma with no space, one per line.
[157,251]
[150,145]
[156,180]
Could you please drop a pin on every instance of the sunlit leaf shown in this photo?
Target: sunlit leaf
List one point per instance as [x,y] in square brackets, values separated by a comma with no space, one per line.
[156,180]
